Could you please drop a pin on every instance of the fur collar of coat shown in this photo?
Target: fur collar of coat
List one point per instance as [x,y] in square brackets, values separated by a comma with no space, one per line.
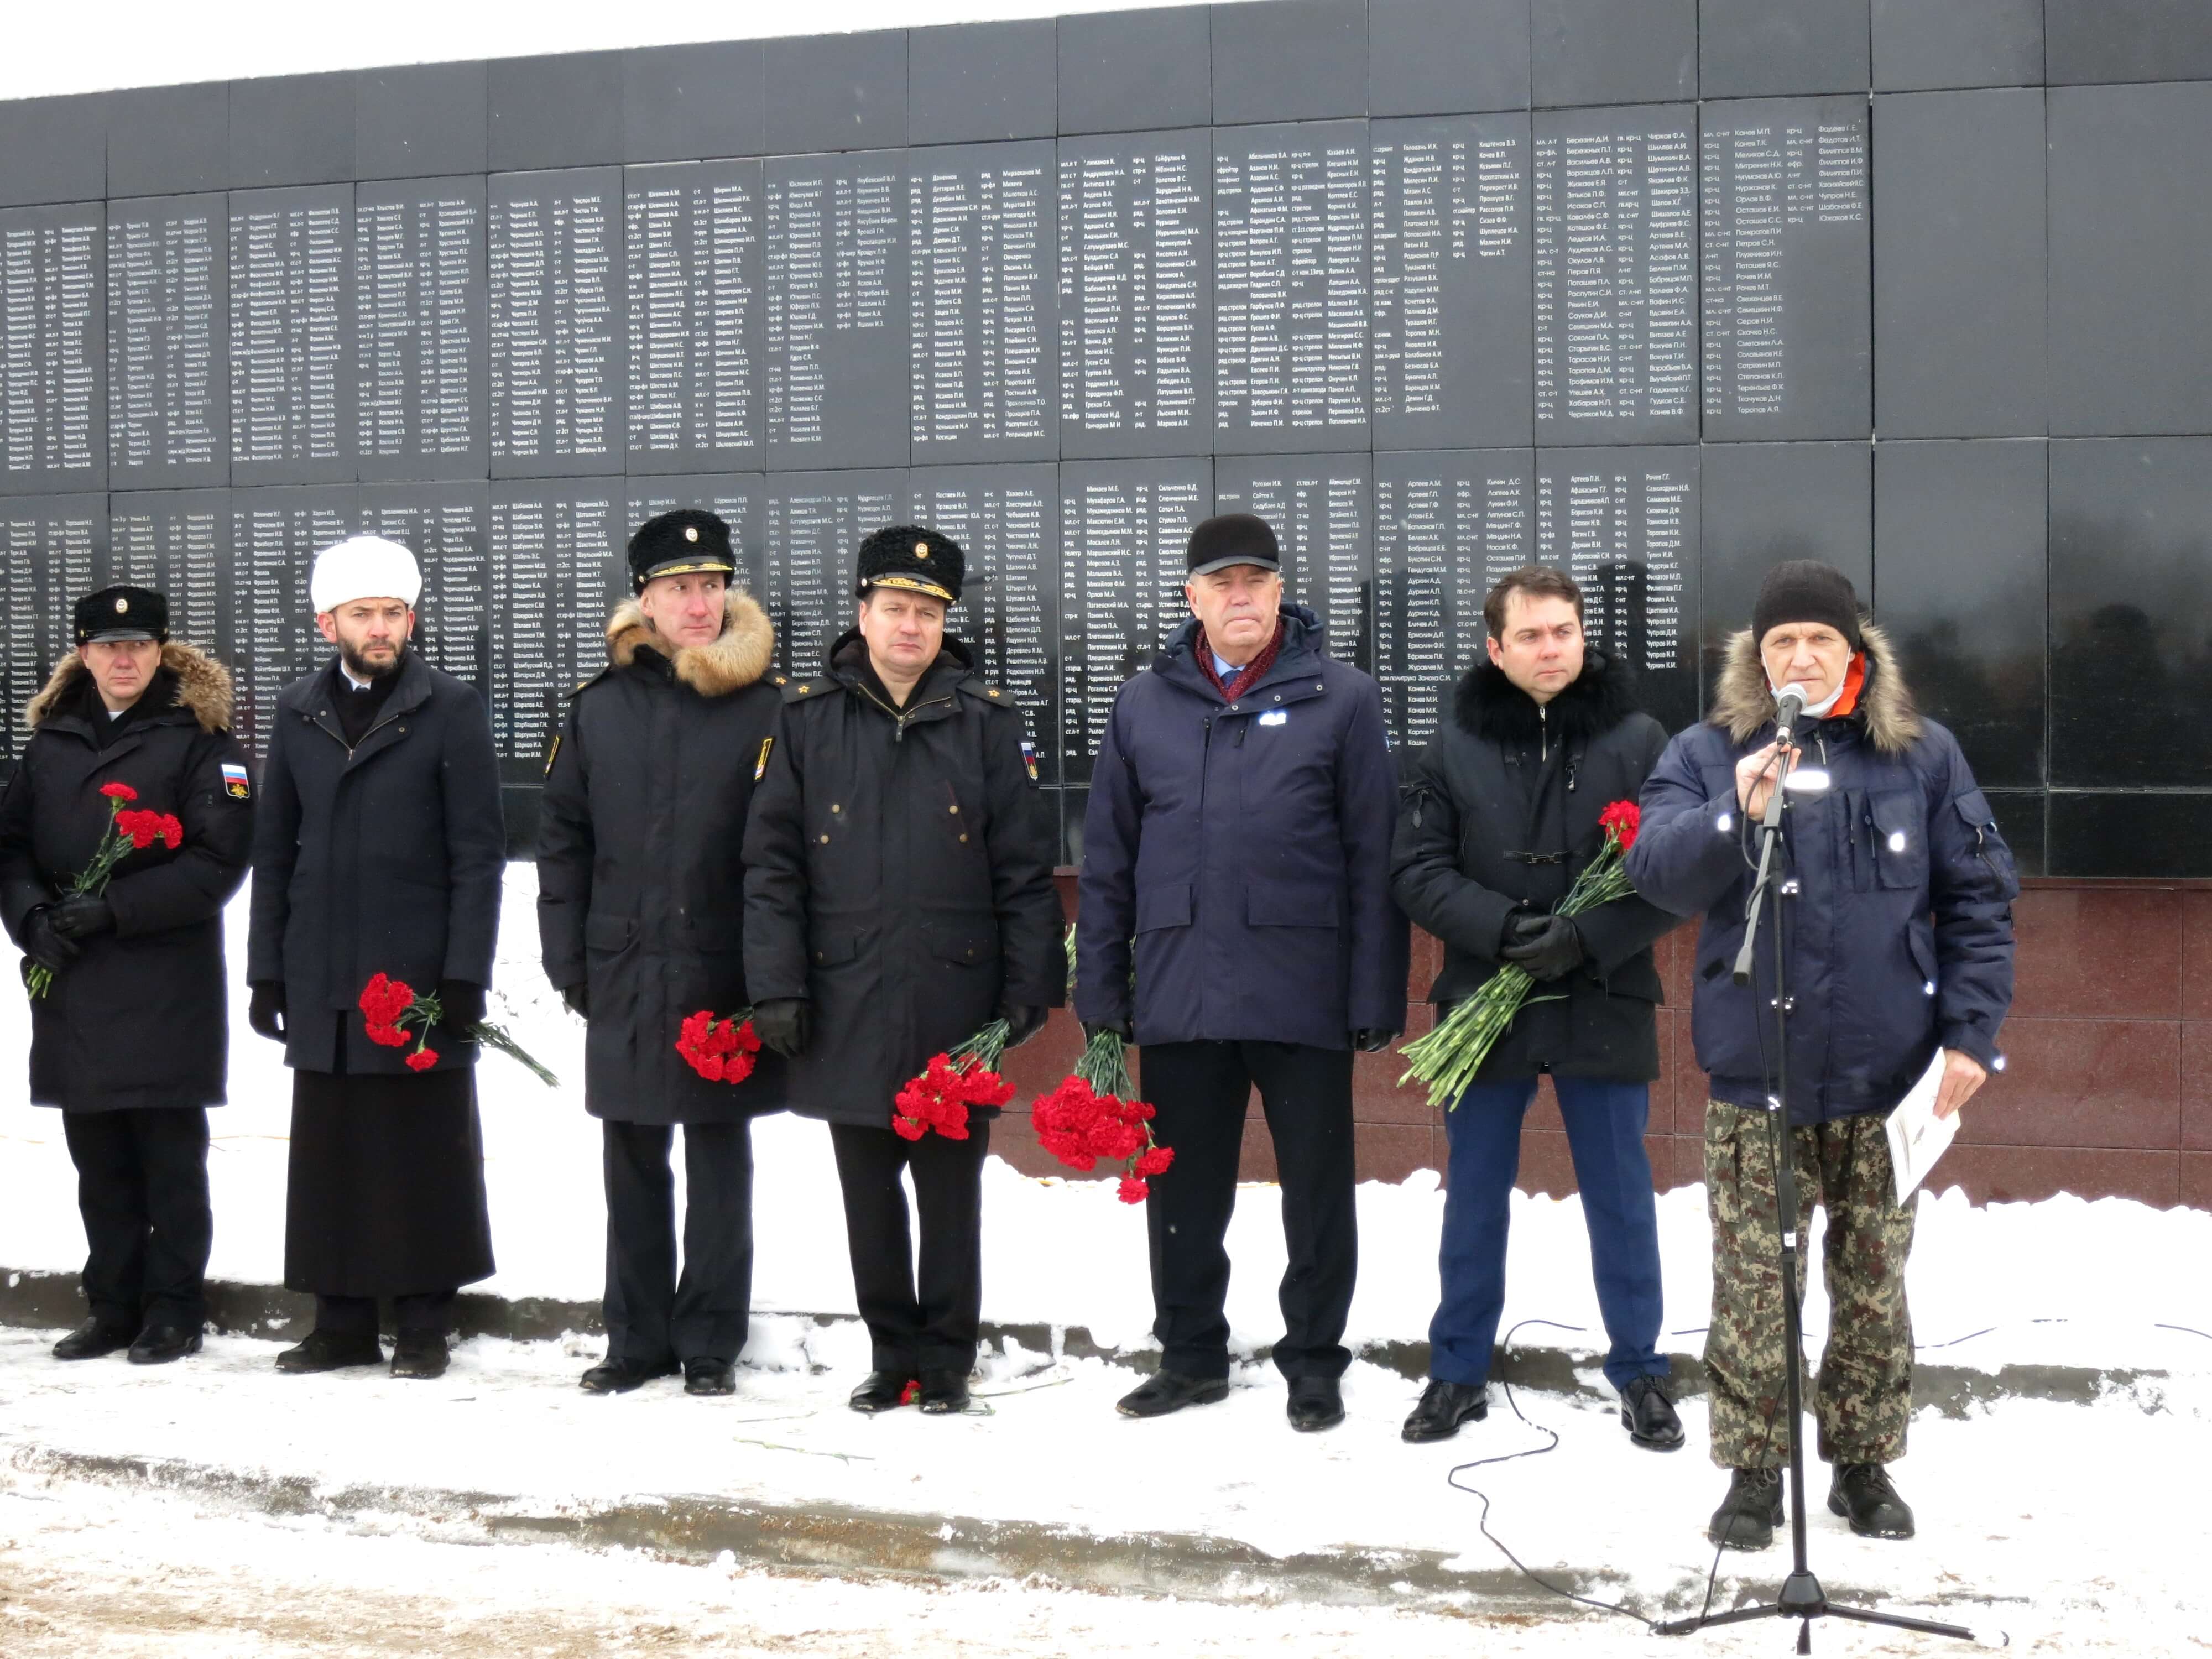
[1488,705]
[1742,702]
[731,660]
[203,686]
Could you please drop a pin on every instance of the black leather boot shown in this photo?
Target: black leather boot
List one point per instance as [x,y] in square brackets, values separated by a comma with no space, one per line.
[157,1345]
[1171,1391]
[706,1375]
[324,1351]
[92,1340]
[623,1375]
[1444,1406]
[422,1355]
[1863,1492]
[1315,1403]
[1649,1415]
[884,1391]
[943,1392]
[1752,1510]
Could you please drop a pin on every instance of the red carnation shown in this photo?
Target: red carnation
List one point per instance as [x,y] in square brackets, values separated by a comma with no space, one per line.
[172,831]
[119,791]
[1154,1160]
[1621,821]
[722,1051]
[422,1059]
[1134,1191]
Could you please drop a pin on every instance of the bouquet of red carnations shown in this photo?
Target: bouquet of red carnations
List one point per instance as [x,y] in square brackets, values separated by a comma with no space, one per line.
[1094,1113]
[938,1095]
[1447,1058]
[722,1051]
[130,829]
[391,1005]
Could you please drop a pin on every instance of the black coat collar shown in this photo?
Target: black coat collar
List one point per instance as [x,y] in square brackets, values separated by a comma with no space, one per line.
[1487,705]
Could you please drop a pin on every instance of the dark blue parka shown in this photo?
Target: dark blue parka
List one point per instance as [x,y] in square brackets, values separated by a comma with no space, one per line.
[1899,938]
[1245,848]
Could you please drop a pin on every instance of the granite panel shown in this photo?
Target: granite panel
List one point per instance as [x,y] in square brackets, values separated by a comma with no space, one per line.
[1130,72]
[1391,1152]
[421,120]
[2015,1175]
[561,111]
[1612,51]
[1290,60]
[2196,954]
[2195,1086]
[2082,1083]
[2098,953]
[1446,56]
[1920,45]
[1767,48]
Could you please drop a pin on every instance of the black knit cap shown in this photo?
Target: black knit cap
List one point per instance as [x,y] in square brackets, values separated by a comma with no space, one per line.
[1232,538]
[1806,591]
[688,541]
[915,559]
[122,613]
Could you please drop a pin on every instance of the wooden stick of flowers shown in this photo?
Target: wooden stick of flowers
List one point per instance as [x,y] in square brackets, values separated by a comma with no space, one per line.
[130,829]
[1448,1057]
[391,1005]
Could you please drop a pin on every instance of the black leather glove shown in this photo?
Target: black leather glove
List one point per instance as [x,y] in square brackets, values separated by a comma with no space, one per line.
[1522,927]
[1022,1022]
[265,1014]
[784,1024]
[1552,953]
[44,944]
[83,916]
[578,999]
[1120,1028]
[1370,1040]
[462,1003]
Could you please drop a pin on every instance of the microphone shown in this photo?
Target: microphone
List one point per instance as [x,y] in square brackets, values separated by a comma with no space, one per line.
[1789,709]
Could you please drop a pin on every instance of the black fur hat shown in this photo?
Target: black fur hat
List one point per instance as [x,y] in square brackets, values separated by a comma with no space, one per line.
[679,544]
[915,558]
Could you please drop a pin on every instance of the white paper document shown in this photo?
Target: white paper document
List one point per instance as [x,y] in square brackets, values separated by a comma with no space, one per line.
[1917,1136]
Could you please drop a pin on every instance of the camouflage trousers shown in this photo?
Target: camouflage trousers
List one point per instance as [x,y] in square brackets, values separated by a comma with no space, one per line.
[1864,1398]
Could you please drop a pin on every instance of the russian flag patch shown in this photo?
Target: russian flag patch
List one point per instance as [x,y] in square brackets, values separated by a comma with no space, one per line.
[1028,758]
[235,783]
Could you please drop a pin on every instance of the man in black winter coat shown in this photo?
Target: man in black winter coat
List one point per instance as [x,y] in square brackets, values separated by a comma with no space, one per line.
[898,897]
[1501,817]
[640,911]
[378,847]
[130,1038]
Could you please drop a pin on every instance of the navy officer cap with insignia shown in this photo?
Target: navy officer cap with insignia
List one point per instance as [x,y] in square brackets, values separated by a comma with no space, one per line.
[689,541]
[120,613]
[914,559]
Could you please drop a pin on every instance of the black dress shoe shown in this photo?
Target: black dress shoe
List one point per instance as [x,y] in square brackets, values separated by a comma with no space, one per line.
[1752,1510]
[324,1351]
[622,1375]
[92,1340]
[943,1392]
[1444,1406]
[1316,1403]
[1863,1492]
[1649,1415]
[884,1391]
[1171,1391]
[157,1345]
[420,1354]
[704,1375]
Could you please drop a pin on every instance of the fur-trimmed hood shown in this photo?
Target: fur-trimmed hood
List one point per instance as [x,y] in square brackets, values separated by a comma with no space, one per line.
[733,659]
[1488,705]
[1742,703]
[203,686]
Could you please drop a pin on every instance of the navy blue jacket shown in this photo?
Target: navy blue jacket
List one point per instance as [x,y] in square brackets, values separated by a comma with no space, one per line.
[1244,847]
[1900,936]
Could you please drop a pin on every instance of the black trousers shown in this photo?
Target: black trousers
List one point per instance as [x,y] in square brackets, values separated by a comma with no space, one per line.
[1200,1091]
[423,1313]
[141,1187]
[930,1323]
[652,1314]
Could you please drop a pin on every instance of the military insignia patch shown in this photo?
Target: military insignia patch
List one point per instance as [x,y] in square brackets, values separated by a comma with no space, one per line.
[553,754]
[760,766]
[235,783]
[1028,758]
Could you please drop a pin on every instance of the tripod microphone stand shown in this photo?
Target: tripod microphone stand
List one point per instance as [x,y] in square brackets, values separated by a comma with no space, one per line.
[1801,1596]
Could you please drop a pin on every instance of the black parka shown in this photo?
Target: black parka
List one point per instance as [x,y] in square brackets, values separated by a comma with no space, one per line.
[640,893]
[1501,815]
[898,875]
[139,1019]
[386,857]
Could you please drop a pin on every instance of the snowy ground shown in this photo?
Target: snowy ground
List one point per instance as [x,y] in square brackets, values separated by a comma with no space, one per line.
[2022,1523]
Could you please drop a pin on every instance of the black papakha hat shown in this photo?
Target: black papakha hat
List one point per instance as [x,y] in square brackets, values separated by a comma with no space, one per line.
[1806,591]
[913,558]
[688,541]
[1233,538]
[116,614]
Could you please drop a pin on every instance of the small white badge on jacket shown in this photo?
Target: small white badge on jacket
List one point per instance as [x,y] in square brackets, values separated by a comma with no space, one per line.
[1276,717]
[234,781]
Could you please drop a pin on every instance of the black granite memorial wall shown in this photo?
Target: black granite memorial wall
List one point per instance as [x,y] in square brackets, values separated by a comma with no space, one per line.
[1658,291]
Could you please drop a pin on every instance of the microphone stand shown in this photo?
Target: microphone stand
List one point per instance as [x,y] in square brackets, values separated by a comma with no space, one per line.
[1801,1596]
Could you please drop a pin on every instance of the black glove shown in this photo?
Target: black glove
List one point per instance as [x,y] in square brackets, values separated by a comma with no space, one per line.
[265,1014]
[1022,1022]
[462,1003]
[783,1023]
[1369,1040]
[1522,927]
[81,916]
[1553,953]
[578,999]
[1120,1028]
[47,945]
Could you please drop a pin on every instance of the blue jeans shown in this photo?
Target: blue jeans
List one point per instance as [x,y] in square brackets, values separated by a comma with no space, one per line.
[1605,1133]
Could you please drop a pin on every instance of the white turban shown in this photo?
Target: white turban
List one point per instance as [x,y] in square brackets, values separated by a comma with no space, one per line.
[364,568]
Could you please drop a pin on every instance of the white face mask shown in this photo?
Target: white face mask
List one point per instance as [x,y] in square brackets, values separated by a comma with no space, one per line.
[1816,710]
